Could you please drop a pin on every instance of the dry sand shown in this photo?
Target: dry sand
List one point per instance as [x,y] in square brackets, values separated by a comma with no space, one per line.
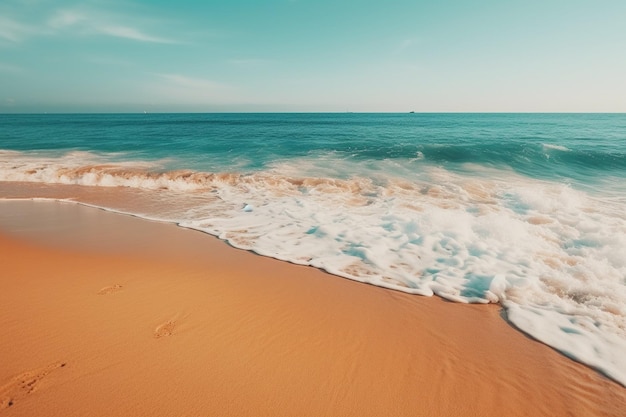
[107,315]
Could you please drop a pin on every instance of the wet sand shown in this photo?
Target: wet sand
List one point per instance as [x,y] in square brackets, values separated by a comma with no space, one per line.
[107,315]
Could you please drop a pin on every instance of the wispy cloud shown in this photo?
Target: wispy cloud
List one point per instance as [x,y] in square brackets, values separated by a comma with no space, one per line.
[65,18]
[131,33]
[100,23]
[14,31]
[79,21]
[183,89]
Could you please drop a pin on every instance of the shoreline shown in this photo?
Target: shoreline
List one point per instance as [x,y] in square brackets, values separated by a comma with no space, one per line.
[123,316]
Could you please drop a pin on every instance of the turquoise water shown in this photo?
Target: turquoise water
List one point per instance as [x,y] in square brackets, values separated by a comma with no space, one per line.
[526,210]
[580,147]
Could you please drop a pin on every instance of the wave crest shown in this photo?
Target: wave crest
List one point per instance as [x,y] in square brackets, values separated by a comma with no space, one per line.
[551,255]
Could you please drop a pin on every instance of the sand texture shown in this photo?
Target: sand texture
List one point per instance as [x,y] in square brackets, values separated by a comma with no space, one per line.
[107,315]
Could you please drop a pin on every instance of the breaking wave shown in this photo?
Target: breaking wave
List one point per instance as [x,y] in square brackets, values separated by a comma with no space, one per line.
[551,255]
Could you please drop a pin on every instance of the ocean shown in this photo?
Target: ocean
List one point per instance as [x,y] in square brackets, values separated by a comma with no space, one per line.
[524,210]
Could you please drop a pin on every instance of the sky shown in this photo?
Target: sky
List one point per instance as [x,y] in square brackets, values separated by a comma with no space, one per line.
[312,56]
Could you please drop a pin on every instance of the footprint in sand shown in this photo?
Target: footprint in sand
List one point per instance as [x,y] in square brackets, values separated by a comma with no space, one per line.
[24,384]
[165,329]
[110,289]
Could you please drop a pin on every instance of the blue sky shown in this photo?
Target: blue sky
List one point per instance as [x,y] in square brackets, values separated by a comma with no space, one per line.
[302,55]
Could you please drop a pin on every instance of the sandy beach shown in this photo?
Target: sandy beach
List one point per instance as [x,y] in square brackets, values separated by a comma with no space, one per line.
[108,315]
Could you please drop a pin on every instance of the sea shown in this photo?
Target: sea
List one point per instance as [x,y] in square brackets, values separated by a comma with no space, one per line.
[524,210]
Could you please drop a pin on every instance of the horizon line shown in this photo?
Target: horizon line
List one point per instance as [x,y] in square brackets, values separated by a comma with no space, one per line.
[310,112]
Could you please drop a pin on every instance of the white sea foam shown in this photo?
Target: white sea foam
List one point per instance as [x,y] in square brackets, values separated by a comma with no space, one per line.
[553,256]
[556,147]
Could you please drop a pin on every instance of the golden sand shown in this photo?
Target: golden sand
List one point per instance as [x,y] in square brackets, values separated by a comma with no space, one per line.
[107,315]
